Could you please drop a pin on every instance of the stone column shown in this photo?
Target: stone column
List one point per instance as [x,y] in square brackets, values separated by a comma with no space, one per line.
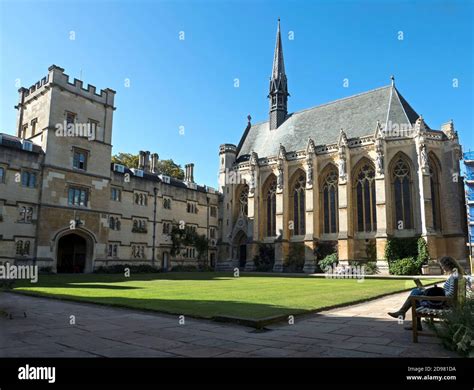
[309,259]
[253,214]
[282,215]
[381,186]
[344,194]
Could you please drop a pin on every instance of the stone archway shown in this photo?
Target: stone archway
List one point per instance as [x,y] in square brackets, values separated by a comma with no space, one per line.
[74,253]
[240,244]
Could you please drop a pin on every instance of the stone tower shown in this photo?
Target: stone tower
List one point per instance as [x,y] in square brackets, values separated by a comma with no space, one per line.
[278,94]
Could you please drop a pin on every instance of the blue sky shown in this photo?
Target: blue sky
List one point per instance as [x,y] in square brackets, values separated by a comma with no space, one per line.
[191,82]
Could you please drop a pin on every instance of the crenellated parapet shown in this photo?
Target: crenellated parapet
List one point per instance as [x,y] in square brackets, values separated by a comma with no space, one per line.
[227,148]
[57,78]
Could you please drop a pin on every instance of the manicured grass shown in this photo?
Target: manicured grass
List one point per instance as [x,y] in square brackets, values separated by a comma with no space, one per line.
[213,294]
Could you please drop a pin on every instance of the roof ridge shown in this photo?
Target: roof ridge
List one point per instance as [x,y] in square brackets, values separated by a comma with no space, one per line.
[331,102]
[342,99]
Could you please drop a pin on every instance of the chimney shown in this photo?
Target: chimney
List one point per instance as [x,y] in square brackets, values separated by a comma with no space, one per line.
[189,173]
[154,162]
[147,161]
[141,160]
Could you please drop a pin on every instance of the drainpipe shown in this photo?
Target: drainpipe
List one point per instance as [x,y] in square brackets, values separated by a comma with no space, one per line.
[155,191]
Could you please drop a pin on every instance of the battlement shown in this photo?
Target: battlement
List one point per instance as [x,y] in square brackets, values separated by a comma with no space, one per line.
[227,148]
[57,77]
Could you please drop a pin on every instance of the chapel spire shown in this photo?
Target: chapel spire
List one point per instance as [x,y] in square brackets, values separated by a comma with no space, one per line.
[278,86]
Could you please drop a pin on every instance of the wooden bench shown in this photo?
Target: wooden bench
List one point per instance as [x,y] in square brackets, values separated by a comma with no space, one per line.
[426,312]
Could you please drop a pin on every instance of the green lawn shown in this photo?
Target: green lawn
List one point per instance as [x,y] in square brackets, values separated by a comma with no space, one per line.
[212,294]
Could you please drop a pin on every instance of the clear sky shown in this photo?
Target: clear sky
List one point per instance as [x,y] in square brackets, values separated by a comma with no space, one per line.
[192,82]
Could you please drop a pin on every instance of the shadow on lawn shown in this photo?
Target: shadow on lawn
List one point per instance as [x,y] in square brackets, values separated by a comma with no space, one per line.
[208,309]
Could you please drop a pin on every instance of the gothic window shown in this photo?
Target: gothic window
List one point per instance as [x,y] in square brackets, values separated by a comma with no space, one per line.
[243,201]
[401,182]
[19,247]
[330,202]
[435,198]
[365,198]
[26,214]
[270,199]
[26,248]
[299,206]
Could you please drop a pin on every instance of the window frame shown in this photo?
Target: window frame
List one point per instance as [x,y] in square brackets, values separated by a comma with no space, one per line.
[80,189]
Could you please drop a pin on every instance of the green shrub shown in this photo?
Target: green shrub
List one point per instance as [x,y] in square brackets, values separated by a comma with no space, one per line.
[371,268]
[398,250]
[456,331]
[46,270]
[265,259]
[120,269]
[328,262]
[423,254]
[406,266]
[322,250]
[184,268]
[295,259]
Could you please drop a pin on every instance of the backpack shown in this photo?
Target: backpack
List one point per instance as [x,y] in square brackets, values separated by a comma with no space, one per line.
[434,292]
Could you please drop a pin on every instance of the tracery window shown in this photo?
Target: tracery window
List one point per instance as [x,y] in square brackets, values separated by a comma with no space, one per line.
[365,198]
[270,199]
[330,202]
[435,197]
[299,207]
[401,183]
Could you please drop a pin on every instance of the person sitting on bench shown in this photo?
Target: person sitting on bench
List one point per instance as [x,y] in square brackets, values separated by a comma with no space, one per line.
[450,267]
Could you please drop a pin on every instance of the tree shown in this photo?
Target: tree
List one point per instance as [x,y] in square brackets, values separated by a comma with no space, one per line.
[128,159]
[170,168]
[165,167]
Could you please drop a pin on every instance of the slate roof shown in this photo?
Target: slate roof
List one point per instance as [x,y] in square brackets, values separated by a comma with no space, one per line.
[155,178]
[357,115]
[13,142]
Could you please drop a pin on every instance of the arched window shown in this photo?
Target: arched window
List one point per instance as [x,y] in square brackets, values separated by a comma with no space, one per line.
[329,202]
[270,209]
[26,249]
[112,223]
[243,201]
[19,247]
[435,197]
[401,183]
[365,198]
[299,207]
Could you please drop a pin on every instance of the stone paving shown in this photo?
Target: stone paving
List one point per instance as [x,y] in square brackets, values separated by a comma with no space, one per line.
[362,330]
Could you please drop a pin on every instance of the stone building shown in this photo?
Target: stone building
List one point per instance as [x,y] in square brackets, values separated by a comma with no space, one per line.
[65,206]
[356,171]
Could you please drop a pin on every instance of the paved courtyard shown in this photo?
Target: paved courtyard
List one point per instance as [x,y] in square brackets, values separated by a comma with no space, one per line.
[362,330]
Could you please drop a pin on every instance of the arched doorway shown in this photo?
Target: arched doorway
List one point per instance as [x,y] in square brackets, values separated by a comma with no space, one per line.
[240,243]
[72,254]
